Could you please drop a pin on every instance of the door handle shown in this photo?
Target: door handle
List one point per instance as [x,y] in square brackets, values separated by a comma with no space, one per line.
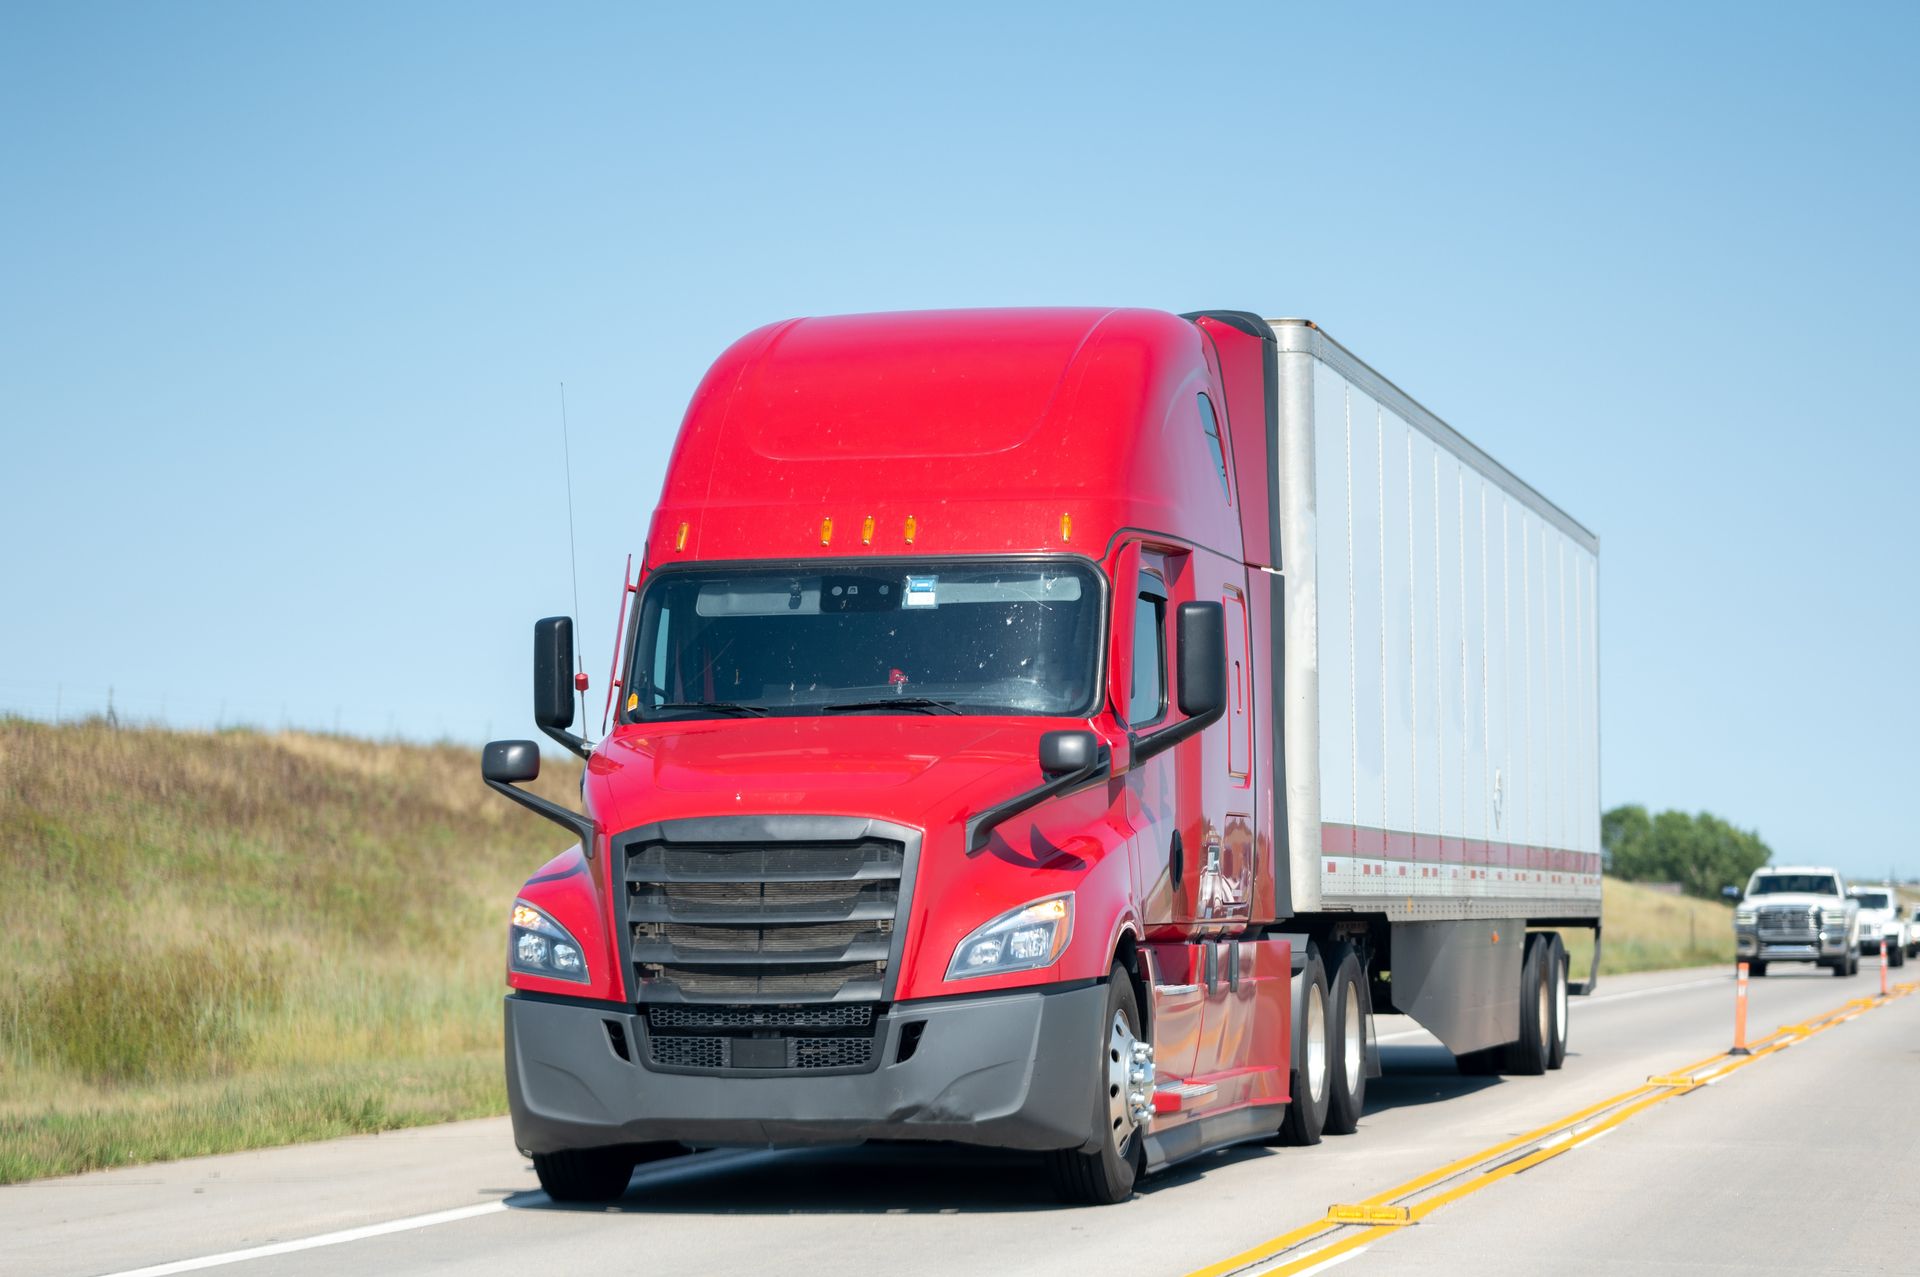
[1176,860]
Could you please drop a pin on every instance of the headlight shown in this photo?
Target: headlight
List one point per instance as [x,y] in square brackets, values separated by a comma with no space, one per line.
[1034,935]
[537,945]
[1743,917]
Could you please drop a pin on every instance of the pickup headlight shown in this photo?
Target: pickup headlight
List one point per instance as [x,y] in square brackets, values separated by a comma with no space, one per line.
[1034,935]
[1743,916]
[537,945]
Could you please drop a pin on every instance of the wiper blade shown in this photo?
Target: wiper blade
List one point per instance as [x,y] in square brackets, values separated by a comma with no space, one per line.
[718,707]
[925,704]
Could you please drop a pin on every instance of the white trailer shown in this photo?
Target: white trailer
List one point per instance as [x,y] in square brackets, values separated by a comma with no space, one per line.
[1440,718]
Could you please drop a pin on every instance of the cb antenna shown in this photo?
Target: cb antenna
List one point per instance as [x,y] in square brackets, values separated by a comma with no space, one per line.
[573,554]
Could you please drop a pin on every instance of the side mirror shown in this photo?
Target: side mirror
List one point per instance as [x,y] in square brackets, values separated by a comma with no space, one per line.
[1731,893]
[553,681]
[504,764]
[1201,631]
[1063,753]
[553,672]
[510,762]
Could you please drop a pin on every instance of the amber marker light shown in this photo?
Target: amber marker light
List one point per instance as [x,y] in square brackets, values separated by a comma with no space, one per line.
[826,530]
[866,531]
[680,537]
[913,526]
[1066,527]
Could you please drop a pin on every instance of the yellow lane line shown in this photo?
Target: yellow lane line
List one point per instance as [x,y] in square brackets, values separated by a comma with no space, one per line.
[1355,1223]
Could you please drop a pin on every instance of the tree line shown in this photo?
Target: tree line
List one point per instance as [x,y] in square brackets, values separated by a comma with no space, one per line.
[1701,852]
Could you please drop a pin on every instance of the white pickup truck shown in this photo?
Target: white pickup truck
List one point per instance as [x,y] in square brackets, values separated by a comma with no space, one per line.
[1797,913]
[1880,920]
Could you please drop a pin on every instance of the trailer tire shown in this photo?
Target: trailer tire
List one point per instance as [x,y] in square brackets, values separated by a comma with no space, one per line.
[1557,997]
[585,1174]
[1528,1056]
[1106,1175]
[1310,1064]
[1347,1043]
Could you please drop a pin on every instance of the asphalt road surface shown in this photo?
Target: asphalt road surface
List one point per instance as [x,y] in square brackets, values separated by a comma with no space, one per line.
[1807,1161]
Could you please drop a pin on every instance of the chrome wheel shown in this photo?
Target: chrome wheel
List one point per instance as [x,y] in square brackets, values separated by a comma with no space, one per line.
[1352,1040]
[1560,1003]
[1543,1011]
[1129,1083]
[1316,1043]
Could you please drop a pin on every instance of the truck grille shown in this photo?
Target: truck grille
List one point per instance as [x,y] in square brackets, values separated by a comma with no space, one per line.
[1787,924]
[786,1053]
[761,910]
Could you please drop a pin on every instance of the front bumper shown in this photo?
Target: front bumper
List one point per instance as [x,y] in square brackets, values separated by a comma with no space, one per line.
[1008,1070]
[1748,945]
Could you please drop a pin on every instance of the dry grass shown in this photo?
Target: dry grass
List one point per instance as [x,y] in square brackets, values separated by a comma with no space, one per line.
[241,939]
[1648,930]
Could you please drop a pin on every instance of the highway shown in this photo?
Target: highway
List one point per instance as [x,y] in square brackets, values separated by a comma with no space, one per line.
[1804,1160]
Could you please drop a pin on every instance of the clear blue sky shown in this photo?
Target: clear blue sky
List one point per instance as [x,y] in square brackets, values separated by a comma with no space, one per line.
[287,294]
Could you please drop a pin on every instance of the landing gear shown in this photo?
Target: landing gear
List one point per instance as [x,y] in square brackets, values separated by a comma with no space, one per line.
[1121,1109]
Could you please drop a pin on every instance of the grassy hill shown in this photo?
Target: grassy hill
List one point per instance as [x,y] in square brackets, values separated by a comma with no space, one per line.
[230,940]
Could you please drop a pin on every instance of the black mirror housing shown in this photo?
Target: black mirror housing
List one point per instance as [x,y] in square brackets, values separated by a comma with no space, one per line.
[1201,629]
[510,762]
[1065,752]
[553,673]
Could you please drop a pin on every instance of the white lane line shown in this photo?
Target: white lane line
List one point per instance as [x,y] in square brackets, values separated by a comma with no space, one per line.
[1662,988]
[1404,1034]
[1325,1264]
[310,1243]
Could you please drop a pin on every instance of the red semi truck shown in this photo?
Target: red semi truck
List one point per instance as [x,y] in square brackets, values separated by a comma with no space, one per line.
[1059,730]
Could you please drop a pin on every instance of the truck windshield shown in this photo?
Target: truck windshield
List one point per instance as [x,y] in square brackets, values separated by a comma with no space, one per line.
[968,636]
[1873,899]
[1800,884]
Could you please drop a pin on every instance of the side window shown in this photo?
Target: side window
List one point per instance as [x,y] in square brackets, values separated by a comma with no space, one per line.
[1211,426]
[1147,697]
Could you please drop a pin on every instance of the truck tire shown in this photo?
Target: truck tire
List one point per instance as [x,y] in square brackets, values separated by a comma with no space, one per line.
[1557,996]
[1107,1174]
[1528,1056]
[1843,966]
[1896,955]
[1757,969]
[1483,1063]
[584,1174]
[1347,1043]
[1308,1084]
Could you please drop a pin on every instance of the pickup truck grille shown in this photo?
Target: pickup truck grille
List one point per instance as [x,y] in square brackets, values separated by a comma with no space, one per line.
[752,911]
[1787,924]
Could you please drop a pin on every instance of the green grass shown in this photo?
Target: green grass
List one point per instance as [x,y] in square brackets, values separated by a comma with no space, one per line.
[223,941]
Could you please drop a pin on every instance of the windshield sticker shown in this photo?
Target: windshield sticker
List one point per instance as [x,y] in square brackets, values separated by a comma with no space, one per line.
[922,591]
